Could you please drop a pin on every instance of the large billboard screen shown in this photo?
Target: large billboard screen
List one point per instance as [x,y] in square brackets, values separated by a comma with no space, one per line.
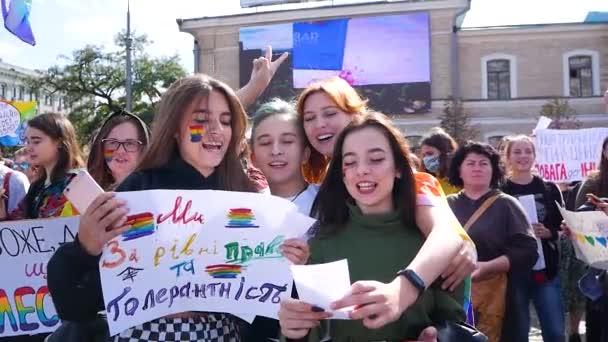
[386,58]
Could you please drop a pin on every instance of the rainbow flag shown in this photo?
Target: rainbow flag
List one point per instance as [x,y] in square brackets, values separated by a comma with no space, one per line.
[224,271]
[141,225]
[16,19]
[196,133]
[241,218]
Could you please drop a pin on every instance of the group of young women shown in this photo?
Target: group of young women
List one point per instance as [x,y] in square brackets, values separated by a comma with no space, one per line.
[411,261]
[285,140]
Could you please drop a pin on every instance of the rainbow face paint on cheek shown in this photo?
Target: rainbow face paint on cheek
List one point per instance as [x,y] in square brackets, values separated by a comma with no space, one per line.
[196,133]
[108,155]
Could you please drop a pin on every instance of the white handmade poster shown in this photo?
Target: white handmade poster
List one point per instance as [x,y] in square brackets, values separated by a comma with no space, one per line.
[26,246]
[589,235]
[203,250]
[564,156]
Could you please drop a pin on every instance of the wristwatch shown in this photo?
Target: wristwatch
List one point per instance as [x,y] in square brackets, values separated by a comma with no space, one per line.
[414,279]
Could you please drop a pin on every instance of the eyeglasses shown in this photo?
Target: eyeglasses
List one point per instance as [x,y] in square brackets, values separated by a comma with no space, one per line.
[21,166]
[129,145]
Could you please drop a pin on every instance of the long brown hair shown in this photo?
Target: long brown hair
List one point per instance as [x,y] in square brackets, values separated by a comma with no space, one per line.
[60,129]
[96,164]
[344,97]
[600,177]
[330,205]
[174,104]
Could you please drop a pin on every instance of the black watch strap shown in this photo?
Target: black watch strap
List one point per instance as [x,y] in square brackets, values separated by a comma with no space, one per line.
[414,278]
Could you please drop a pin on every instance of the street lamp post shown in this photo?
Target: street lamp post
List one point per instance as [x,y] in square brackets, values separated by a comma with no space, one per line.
[129,41]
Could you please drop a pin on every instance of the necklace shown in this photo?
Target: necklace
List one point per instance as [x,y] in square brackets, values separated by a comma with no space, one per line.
[299,193]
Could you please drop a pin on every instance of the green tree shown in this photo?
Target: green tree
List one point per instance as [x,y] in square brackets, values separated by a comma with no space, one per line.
[92,80]
[456,121]
[562,115]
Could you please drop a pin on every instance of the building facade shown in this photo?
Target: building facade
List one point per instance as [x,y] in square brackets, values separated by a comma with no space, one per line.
[13,87]
[503,74]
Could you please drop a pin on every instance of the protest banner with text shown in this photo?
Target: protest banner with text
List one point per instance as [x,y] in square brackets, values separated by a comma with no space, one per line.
[202,250]
[568,155]
[26,307]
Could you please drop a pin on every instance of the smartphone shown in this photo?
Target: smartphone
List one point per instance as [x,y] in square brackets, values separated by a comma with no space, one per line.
[82,191]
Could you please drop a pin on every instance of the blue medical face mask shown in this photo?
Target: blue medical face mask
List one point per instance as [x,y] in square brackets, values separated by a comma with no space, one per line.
[431,163]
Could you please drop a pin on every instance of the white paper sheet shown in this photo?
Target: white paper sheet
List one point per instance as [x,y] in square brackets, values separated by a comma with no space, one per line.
[543,123]
[529,205]
[323,284]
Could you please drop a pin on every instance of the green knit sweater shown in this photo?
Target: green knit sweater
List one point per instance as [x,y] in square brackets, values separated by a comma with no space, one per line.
[376,247]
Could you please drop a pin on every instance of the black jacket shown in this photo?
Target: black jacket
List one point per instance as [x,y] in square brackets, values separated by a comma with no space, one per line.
[549,215]
[73,274]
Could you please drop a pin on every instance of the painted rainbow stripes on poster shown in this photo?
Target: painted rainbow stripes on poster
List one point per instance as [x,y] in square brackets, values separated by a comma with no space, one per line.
[17,317]
[241,218]
[6,310]
[141,225]
[196,133]
[108,155]
[46,321]
[591,240]
[224,271]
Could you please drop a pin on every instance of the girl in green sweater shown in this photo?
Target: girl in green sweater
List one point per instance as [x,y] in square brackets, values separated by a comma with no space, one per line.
[365,210]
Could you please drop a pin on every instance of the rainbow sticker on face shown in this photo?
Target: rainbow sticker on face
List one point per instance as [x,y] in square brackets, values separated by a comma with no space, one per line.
[196,133]
[108,154]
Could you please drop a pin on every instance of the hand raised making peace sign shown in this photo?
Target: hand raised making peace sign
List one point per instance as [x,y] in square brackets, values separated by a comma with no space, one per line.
[264,68]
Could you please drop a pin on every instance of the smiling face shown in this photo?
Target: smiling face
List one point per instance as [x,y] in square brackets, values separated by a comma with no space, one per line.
[369,171]
[521,156]
[205,132]
[43,150]
[278,150]
[323,122]
[122,149]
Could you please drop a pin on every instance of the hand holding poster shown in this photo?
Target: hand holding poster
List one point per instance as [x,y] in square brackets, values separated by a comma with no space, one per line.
[25,248]
[568,155]
[590,236]
[205,250]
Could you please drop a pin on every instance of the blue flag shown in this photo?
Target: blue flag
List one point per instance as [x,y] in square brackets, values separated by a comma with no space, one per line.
[16,19]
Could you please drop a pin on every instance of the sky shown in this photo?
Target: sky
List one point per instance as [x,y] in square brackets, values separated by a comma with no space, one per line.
[62,26]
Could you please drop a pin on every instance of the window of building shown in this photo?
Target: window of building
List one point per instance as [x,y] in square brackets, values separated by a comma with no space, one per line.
[581,76]
[581,73]
[495,140]
[32,96]
[21,96]
[499,76]
[3,91]
[499,79]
